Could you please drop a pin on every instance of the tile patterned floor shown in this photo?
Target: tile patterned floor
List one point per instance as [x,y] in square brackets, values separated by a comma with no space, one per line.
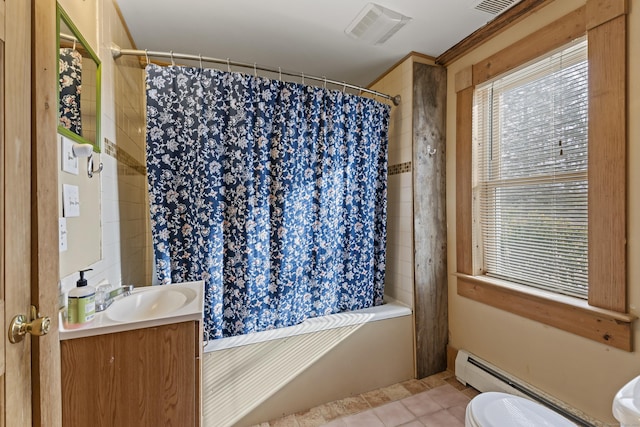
[438,400]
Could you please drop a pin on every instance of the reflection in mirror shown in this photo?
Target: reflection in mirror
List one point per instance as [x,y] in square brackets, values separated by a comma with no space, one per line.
[78,85]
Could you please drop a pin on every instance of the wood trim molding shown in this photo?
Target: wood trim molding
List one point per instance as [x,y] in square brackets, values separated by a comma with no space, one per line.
[552,36]
[412,54]
[464,78]
[609,328]
[607,165]
[601,11]
[492,29]
[464,219]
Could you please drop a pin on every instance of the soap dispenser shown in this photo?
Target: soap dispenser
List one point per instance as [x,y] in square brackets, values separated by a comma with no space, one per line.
[81,302]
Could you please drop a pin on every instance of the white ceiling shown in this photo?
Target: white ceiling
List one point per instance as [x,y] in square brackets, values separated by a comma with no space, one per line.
[299,35]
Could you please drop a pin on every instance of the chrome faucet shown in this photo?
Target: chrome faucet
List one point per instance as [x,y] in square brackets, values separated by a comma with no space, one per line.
[106,299]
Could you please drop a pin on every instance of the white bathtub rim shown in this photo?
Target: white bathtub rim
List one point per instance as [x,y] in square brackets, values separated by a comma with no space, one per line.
[391,308]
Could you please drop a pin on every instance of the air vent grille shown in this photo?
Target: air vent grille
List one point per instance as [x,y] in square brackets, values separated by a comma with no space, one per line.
[494,7]
[375,24]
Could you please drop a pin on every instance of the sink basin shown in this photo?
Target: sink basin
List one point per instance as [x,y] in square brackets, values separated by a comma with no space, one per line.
[150,303]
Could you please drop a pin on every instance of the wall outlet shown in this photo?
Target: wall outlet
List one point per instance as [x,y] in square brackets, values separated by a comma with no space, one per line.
[69,160]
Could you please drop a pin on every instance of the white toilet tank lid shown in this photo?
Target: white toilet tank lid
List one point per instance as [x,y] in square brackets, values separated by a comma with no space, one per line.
[493,409]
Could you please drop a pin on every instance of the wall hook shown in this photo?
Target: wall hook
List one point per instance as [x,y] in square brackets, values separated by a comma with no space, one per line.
[431,151]
[90,170]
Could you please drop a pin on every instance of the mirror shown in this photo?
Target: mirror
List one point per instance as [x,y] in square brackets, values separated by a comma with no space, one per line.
[78,85]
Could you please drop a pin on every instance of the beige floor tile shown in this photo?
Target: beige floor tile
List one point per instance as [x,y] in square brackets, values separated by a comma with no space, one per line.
[414,423]
[352,405]
[413,403]
[421,404]
[376,398]
[415,386]
[330,411]
[459,412]
[453,382]
[311,418]
[433,381]
[447,396]
[441,419]
[394,414]
[396,392]
[363,419]
[289,421]
[470,392]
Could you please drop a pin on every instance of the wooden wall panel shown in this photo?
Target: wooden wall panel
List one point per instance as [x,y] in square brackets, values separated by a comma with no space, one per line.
[430,223]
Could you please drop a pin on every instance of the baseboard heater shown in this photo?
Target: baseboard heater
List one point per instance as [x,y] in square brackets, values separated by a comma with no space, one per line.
[481,375]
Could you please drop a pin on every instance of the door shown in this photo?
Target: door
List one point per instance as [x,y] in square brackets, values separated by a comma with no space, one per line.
[30,368]
[15,131]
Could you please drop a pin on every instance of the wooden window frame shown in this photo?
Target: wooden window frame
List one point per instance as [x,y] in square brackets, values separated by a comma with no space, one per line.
[603,317]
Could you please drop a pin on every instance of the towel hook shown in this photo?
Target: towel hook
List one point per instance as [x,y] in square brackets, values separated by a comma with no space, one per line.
[431,151]
[90,170]
[146,55]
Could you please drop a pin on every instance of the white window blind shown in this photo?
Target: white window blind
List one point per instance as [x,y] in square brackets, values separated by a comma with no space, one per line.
[530,179]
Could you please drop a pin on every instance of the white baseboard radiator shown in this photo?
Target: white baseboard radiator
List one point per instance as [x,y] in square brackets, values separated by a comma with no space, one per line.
[483,376]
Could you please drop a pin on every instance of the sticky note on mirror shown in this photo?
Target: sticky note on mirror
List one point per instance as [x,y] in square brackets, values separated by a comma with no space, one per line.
[70,201]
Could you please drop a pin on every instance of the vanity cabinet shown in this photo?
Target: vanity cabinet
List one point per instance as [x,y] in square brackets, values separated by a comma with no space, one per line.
[140,377]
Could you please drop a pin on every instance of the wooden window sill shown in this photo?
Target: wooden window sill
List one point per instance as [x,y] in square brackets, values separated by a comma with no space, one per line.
[563,312]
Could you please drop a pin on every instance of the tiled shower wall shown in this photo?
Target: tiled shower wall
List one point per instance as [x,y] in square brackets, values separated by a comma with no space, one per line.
[126,146]
[399,277]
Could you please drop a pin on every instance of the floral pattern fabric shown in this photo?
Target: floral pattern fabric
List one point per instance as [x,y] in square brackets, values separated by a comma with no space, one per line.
[272,192]
[70,89]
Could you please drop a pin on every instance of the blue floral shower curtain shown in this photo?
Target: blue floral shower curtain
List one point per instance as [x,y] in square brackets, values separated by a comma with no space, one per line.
[272,192]
[70,89]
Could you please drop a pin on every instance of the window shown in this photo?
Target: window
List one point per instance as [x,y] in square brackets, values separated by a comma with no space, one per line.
[530,157]
[546,270]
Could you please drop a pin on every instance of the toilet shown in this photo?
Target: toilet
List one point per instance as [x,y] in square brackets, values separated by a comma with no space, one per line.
[626,404]
[495,409]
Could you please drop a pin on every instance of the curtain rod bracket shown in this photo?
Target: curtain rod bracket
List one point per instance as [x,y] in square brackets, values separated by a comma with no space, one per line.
[116,52]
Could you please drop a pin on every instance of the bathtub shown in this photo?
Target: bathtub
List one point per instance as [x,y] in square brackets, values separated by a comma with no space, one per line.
[258,377]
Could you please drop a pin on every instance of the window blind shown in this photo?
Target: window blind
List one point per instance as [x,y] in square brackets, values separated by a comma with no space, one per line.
[530,176]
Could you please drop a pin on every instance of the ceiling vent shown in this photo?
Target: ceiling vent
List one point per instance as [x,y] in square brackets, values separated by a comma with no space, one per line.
[375,24]
[494,7]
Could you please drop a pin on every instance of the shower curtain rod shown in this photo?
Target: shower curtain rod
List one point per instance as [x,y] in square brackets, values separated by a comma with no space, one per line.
[117,52]
[68,37]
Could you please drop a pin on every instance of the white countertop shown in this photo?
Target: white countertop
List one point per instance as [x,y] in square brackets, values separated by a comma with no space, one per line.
[105,322]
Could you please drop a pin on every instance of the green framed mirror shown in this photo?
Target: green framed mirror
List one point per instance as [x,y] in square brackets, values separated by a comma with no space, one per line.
[78,85]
